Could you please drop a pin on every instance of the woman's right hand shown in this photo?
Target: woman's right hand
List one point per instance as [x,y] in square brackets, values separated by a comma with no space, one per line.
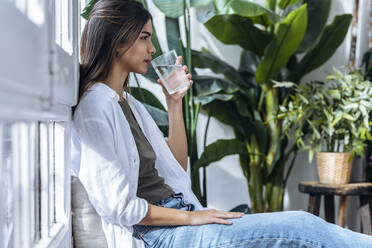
[212,216]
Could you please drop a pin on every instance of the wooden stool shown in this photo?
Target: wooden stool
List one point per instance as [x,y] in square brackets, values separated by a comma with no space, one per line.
[316,190]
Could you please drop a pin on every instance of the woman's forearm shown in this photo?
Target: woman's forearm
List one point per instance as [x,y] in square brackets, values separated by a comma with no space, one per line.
[161,216]
[177,141]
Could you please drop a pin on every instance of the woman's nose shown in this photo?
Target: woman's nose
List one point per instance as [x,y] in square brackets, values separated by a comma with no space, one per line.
[152,49]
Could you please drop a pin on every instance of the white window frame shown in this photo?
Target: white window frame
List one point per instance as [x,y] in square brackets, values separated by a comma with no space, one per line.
[43,93]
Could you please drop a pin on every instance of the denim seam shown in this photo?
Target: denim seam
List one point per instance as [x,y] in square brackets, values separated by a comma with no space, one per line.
[313,244]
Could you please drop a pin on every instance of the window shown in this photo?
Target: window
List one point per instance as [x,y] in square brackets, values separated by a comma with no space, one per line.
[35,188]
[38,87]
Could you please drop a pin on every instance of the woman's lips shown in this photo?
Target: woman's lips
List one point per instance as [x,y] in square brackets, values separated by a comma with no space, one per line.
[147,61]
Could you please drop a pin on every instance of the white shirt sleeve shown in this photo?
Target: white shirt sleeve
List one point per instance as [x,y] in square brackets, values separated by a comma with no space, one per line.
[107,179]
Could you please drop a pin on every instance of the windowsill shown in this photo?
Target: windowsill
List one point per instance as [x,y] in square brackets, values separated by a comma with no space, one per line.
[58,232]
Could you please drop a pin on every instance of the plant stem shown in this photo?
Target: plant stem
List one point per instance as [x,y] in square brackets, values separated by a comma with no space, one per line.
[290,168]
[255,181]
[204,168]
[190,112]
[275,203]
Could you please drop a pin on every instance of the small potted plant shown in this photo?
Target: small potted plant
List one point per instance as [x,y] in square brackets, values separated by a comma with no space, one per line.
[331,119]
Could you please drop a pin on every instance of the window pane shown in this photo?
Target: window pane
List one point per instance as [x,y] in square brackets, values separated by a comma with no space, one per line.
[6,191]
[63,23]
[33,163]
[60,171]
[44,179]
[51,174]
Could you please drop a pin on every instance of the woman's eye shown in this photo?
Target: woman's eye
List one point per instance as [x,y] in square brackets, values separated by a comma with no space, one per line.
[144,38]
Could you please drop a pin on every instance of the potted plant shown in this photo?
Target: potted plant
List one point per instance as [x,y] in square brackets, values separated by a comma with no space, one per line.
[330,118]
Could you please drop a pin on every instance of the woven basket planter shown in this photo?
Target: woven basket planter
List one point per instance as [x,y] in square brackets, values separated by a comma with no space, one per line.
[333,167]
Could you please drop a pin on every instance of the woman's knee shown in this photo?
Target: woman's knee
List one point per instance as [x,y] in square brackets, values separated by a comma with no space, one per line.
[306,217]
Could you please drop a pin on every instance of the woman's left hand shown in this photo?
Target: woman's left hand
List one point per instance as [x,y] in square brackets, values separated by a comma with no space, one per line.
[176,97]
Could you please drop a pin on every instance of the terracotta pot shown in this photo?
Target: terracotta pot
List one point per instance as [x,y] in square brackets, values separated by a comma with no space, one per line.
[333,167]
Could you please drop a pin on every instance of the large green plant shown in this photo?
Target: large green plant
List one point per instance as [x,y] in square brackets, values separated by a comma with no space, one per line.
[330,116]
[272,37]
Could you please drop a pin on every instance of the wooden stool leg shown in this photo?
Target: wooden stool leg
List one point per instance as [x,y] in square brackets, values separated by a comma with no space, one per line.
[342,213]
[314,204]
[366,220]
[329,208]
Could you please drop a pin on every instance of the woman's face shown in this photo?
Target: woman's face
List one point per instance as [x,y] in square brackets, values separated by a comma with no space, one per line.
[137,58]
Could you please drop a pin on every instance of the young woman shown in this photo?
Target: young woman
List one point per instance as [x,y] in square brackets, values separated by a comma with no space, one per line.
[135,178]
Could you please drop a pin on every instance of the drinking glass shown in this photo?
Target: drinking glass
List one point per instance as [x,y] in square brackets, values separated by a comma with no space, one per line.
[170,71]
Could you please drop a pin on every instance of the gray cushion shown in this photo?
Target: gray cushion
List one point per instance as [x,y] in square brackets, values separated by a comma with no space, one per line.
[87,229]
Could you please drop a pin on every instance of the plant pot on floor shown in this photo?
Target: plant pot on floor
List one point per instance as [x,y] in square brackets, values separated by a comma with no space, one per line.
[334,167]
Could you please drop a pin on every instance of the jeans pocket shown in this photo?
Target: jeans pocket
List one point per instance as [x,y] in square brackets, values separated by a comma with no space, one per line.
[150,234]
[140,231]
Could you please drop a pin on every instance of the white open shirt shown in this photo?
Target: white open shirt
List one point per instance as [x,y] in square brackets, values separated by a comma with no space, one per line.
[105,158]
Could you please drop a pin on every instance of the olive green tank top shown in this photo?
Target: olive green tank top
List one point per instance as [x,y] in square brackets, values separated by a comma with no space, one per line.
[151,186]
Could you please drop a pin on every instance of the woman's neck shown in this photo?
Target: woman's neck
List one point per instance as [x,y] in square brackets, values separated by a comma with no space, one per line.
[116,79]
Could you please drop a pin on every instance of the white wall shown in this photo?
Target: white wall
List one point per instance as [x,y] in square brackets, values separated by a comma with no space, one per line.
[226,185]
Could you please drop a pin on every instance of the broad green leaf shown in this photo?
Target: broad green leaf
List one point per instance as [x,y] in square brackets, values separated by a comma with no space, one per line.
[160,116]
[287,36]
[170,8]
[245,8]
[248,63]
[261,132]
[237,30]
[331,39]
[207,85]
[226,113]
[147,97]
[243,106]
[219,149]
[283,4]
[174,8]
[207,99]
[244,164]
[173,34]
[209,61]
[199,3]
[317,12]
[271,4]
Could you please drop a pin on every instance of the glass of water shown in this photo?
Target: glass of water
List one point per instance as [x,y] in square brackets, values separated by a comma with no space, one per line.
[170,71]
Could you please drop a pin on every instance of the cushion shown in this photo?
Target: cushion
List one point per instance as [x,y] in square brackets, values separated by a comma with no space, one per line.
[87,229]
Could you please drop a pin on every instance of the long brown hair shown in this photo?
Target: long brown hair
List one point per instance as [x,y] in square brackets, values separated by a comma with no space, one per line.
[111,24]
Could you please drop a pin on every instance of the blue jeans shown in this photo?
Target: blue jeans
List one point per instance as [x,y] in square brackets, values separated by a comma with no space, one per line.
[278,229]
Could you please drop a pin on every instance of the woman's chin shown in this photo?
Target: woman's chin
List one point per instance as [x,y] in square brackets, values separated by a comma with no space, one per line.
[142,71]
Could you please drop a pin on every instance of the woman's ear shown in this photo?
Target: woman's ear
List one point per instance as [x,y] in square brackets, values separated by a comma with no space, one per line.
[119,51]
